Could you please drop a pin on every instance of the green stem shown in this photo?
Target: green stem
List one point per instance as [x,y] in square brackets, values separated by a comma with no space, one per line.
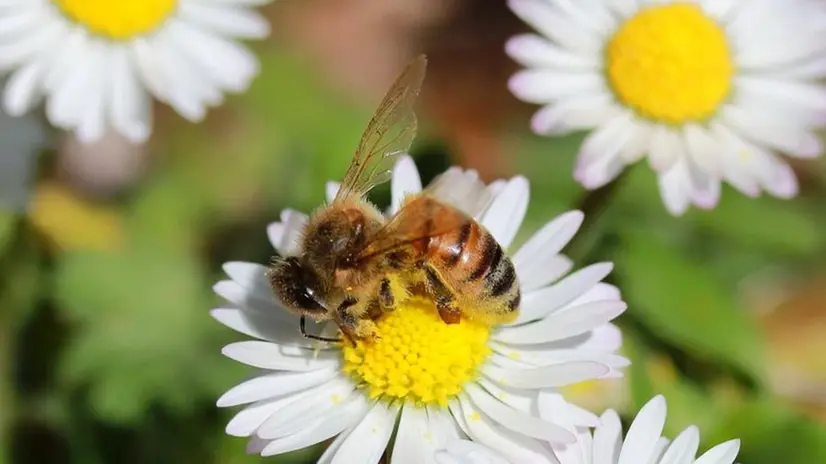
[593,204]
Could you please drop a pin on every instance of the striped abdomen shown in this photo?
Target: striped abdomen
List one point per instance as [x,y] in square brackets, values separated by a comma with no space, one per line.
[470,262]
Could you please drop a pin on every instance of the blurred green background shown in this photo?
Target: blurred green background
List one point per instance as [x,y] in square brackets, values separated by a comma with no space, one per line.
[109,354]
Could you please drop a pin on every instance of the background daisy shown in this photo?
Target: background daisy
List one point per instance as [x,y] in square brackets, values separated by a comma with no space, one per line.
[461,380]
[643,443]
[708,91]
[96,63]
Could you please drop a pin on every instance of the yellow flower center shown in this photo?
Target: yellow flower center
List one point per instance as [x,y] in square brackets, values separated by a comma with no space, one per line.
[671,63]
[418,357]
[118,19]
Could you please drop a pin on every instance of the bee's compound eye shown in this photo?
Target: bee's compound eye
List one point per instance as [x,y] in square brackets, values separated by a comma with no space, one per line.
[294,285]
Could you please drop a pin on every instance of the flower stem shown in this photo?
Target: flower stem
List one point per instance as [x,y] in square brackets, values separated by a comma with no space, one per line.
[593,204]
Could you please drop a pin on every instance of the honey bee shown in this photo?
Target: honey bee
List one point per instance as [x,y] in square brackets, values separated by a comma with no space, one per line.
[355,263]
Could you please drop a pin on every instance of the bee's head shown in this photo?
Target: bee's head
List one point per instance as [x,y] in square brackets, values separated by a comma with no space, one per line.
[297,286]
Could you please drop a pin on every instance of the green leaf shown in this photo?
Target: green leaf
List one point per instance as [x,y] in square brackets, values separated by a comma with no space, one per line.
[765,223]
[8,226]
[143,335]
[770,432]
[682,303]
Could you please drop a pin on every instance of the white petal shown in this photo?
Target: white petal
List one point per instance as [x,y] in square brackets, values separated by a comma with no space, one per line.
[513,446]
[644,432]
[405,181]
[531,50]
[247,421]
[272,385]
[321,429]
[557,375]
[789,139]
[414,441]
[331,191]
[540,303]
[557,25]
[368,440]
[702,148]
[802,94]
[563,324]
[466,452]
[553,407]
[267,355]
[515,420]
[532,258]
[683,449]
[504,217]
[665,149]
[543,86]
[724,453]
[285,235]
[577,112]
[226,20]
[674,189]
[605,142]
[321,400]
[129,105]
[464,190]
[608,438]
[23,89]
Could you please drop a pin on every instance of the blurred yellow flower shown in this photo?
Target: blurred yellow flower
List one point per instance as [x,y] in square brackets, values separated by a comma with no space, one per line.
[70,223]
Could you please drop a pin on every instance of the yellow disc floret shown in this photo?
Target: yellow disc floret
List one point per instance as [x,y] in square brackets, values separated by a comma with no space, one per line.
[418,357]
[118,19]
[671,63]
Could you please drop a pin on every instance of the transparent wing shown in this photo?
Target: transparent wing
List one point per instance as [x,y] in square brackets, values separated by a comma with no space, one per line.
[413,223]
[388,134]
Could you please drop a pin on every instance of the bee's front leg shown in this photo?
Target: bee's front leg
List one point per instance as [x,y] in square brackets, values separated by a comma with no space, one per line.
[351,316]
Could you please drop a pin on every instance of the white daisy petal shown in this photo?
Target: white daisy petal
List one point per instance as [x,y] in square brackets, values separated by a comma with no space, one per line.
[273,385]
[724,453]
[316,402]
[608,439]
[543,85]
[540,303]
[367,441]
[247,421]
[226,20]
[284,235]
[267,355]
[504,216]
[577,112]
[23,89]
[320,430]
[674,189]
[562,324]
[555,24]
[543,246]
[514,447]
[468,452]
[683,449]
[405,181]
[516,420]
[414,442]
[533,50]
[642,436]
[557,375]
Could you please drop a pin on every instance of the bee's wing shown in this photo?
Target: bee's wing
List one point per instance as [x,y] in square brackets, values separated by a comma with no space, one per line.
[388,134]
[410,224]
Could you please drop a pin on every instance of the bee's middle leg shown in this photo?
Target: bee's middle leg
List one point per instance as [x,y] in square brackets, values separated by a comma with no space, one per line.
[442,296]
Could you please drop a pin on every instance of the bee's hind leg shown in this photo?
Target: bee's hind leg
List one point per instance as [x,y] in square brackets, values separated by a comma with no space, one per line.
[442,296]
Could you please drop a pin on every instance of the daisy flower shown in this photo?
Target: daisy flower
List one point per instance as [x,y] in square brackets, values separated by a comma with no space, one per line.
[444,381]
[707,90]
[96,62]
[643,444]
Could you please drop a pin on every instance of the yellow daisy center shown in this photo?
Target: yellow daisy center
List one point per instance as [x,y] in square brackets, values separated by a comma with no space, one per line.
[118,19]
[671,63]
[418,357]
